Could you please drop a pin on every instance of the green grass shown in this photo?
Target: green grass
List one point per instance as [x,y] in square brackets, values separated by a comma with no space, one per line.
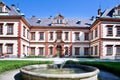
[10,65]
[113,67]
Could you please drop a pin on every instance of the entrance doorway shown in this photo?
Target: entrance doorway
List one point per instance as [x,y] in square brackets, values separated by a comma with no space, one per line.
[59,50]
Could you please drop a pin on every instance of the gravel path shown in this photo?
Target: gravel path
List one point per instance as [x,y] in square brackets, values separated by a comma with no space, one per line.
[14,75]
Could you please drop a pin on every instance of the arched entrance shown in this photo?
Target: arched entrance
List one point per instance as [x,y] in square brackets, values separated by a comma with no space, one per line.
[59,50]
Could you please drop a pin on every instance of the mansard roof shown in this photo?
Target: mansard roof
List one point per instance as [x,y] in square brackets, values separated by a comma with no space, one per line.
[69,22]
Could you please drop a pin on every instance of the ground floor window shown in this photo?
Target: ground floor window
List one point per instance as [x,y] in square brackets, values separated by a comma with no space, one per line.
[86,51]
[0,49]
[33,51]
[77,50]
[96,50]
[9,48]
[91,50]
[109,49]
[41,51]
[51,50]
[118,50]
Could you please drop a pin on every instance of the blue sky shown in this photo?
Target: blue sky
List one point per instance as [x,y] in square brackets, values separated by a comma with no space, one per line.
[68,8]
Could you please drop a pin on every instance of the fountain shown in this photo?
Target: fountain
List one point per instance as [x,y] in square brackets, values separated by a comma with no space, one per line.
[58,71]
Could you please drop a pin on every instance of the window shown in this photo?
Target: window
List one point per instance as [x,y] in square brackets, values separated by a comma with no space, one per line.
[66,35]
[1,29]
[91,35]
[23,49]
[96,32]
[27,50]
[86,36]
[33,51]
[118,50]
[109,30]
[27,34]
[59,35]
[24,31]
[41,51]
[0,49]
[59,21]
[118,30]
[51,50]
[51,35]
[9,48]
[77,50]
[66,51]
[96,50]
[109,49]
[86,51]
[91,50]
[77,36]
[33,36]
[0,9]
[118,12]
[41,36]
[10,29]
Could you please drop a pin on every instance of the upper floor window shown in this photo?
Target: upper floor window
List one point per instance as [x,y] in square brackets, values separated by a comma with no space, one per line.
[109,49]
[118,12]
[86,36]
[59,35]
[9,48]
[118,30]
[77,36]
[41,36]
[10,29]
[27,34]
[77,50]
[0,9]
[92,35]
[24,31]
[51,35]
[1,29]
[96,32]
[59,21]
[66,36]
[109,30]
[33,36]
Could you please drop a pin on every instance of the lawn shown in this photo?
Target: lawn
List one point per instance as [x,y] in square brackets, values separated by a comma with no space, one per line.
[113,67]
[10,65]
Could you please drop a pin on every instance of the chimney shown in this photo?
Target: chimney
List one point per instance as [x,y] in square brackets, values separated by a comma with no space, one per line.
[99,12]
[92,18]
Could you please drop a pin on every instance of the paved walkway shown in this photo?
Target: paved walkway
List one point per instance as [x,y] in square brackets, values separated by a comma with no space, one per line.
[61,59]
[14,75]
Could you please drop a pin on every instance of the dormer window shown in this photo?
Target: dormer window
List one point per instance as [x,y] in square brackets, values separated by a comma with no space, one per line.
[59,21]
[39,20]
[78,22]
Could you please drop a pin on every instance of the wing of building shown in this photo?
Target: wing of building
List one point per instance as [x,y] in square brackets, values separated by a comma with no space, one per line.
[59,36]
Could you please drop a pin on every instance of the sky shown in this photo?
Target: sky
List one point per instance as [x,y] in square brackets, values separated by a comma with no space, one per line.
[68,8]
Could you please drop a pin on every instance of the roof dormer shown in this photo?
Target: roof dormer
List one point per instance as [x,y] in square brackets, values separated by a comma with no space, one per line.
[3,10]
[117,11]
[59,20]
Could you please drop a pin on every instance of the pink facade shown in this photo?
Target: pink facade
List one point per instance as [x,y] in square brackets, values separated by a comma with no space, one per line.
[59,36]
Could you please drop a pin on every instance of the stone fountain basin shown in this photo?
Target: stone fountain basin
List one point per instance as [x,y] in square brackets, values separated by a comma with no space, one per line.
[91,74]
